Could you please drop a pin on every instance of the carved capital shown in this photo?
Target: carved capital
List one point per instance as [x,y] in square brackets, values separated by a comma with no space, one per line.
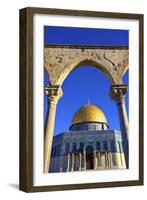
[118,92]
[54,93]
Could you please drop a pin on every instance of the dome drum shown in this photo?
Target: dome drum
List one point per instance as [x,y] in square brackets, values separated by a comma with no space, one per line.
[89,126]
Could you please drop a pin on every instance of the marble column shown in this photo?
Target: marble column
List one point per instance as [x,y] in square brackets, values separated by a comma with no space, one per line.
[99,160]
[95,160]
[84,155]
[54,93]
[106,160]
[111,161]
[117,93]
[109,153]
[80,161]
[122,155]
[73,163]
[68,161]
[108,157]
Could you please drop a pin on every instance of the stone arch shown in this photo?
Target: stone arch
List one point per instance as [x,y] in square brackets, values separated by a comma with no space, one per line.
[79,63]
[89,157]
[92,145]
[60,60]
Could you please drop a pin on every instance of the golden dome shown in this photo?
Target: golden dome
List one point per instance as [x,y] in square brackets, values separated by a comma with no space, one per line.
[88,113]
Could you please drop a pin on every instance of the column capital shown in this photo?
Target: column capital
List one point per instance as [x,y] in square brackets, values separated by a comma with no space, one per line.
[118,92]
[54,93]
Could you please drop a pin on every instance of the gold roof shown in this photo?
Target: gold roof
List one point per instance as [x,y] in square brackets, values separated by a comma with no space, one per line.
[89,113]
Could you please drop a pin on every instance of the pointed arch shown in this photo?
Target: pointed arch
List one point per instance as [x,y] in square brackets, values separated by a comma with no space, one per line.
[81,63]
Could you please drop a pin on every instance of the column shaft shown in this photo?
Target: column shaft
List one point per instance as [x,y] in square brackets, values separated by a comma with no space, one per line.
[117,93]
[124,128]
[95,160]
[111,160]
[107,162]
[49,136]
[80,161]
[123,117]
[84,153]
[72,168]
[54,93]
[68,161]
[99,160]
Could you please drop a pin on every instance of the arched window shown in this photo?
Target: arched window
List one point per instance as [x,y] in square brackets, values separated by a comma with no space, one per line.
[74,146]
[81,146]
[105,146]
[85,127]
[67,148]
[78,128]
[98,146]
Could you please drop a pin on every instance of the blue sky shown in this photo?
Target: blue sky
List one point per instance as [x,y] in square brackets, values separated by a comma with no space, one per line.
[86,81]
[85,36]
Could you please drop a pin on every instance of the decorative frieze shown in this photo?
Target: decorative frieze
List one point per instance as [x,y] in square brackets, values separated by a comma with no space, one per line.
[60,61]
